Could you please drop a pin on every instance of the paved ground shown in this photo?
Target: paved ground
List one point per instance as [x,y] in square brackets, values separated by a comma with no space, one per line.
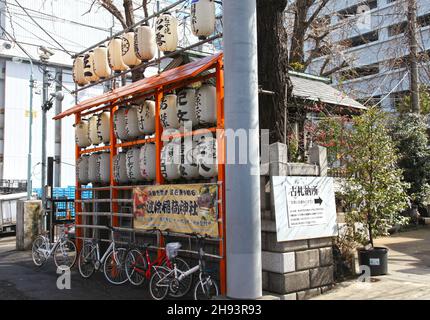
[409,271]
[20,279]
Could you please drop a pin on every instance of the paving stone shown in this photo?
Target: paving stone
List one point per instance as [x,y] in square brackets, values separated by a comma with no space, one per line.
[265,280]
[278,262]
[325,289]
[289,282]
[307,259]
[320,242]
[307,294]
[268,225]
[326,256]
[321,276]
[272,244]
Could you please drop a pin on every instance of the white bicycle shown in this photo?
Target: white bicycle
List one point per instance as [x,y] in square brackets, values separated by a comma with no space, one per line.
[113,261]
[63,250]
[166,280]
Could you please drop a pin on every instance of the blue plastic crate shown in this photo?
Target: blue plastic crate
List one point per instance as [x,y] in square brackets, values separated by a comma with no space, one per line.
[68,193]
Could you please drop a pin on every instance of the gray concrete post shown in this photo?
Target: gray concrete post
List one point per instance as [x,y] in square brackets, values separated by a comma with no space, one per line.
[244,278]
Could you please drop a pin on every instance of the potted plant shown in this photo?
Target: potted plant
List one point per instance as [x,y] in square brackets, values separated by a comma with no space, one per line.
[374,189]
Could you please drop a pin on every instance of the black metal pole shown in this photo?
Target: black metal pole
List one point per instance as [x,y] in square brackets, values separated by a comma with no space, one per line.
[49,202]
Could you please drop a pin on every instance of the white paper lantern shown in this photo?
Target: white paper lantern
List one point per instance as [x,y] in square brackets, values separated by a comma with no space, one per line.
[93,175]
[81,134]
[82,170]
[187,107]
[103,168]
[128,55]
[133,165]
[89,72]
[103,126]
[207,158]
[119,124]
[170,161]
[147,160]
[166,32]
[120,168]
[171,135]
[146,117]
[101,64]
[78,71]
[132,122]
[206,105]
[93,130]
[116,62]
[169,111]
[144,42]
[189,168]
[203,18]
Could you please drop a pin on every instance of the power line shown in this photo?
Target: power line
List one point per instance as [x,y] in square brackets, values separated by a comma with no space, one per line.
[70,41]
[46,32]
[58,18]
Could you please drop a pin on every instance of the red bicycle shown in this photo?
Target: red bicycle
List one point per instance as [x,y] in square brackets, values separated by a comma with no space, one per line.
[139,266]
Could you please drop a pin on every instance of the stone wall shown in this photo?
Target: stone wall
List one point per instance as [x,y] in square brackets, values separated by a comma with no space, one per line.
[293,270]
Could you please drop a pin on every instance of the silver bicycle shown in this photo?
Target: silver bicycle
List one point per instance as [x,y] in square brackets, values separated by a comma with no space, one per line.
[169,280]
[63,250]
[113,260]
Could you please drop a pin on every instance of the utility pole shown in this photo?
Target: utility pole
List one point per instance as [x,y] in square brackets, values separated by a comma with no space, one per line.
[413,57]
[243,228]
[44,129]
[30,136]
[58,109]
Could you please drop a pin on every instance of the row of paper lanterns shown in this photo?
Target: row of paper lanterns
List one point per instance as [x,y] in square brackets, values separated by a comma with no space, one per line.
[139,164]
[197,107]
[138,46]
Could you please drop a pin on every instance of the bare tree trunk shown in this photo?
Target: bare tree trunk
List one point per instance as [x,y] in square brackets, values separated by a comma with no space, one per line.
[272,66]
[299,31]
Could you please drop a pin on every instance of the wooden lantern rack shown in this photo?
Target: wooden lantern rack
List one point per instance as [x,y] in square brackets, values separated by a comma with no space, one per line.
[203,69]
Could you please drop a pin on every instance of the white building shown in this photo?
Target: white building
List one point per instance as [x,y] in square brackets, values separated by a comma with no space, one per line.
[377,47]
[67,24]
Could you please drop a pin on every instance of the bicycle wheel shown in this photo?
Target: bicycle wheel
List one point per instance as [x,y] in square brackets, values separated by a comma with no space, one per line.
[38,256]
[87,260]
[206,289]
[159,283]
[114,267]
[65,255]
[178,289]
[135,267]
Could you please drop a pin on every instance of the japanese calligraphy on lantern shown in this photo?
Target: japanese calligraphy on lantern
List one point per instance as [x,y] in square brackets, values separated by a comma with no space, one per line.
[305,207]
[189,208]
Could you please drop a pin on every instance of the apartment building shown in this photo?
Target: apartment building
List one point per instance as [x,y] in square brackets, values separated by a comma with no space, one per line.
[374,44]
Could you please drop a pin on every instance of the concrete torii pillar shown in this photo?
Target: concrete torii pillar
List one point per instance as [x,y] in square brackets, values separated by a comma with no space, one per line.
[243,221]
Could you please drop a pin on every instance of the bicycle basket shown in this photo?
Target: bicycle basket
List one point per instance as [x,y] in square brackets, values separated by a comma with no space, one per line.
[172,249]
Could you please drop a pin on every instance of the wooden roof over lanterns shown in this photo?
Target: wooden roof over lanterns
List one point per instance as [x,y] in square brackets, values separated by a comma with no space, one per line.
[169,77]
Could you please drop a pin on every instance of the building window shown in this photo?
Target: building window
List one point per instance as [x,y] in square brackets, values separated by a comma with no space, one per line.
[370,101]
[352,11]
[400,28]
[359,72]
[361,39]
[397,29]
[423,21]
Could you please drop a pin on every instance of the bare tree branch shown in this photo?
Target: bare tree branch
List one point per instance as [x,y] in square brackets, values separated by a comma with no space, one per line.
[109,6]
[90,9]
[344,64]
[317,11]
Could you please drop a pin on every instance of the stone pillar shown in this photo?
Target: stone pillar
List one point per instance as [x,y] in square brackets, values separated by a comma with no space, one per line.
[278,159]
[318,156]
[293,270]
[28,223]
